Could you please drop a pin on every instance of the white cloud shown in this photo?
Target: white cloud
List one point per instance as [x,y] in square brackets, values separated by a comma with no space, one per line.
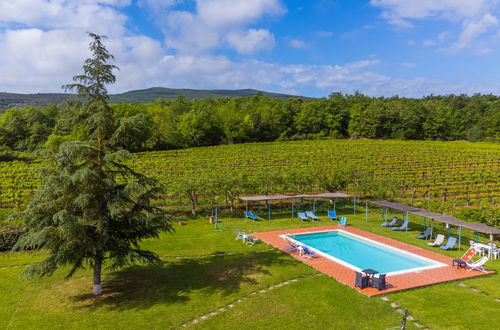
[428,43]
[297,44]
[250,41]
[475,17]
[218,23]
[94,15]
[408,64]
[472,29]
[410,9]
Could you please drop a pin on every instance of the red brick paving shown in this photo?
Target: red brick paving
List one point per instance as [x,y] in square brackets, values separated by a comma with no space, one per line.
[399,282]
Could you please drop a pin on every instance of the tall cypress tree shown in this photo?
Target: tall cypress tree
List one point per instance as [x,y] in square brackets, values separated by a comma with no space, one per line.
[92,210]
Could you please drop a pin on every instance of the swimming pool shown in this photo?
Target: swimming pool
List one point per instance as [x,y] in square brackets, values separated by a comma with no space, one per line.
[357,252]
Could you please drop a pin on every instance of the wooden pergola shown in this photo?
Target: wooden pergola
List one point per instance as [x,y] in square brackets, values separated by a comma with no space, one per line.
[268,198]
[446,219]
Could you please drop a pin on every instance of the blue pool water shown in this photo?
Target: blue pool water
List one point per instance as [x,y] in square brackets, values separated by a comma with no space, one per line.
[360,253]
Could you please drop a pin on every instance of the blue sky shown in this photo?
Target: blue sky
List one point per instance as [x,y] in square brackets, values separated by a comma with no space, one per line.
[306,47]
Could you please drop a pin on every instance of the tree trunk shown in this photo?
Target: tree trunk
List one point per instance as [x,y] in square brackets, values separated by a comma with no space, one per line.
[97,291]
[193,203]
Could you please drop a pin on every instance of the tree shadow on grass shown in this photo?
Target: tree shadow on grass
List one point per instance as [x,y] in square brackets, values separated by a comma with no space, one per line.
[139,287]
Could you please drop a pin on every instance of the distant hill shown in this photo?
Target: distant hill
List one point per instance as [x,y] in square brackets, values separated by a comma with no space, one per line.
[9,100]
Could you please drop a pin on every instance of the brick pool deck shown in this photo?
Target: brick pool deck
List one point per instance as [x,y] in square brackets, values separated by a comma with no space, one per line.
[346,275]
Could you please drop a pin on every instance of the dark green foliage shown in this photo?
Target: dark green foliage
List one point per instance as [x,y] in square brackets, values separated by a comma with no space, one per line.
[79,213]
[92,210]
[9,236]
[182,123]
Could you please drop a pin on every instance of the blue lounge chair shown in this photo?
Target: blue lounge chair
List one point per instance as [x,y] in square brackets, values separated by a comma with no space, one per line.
[250,215]
[302,216]
[332,215]
[291,246]
[403,227]
[390,224]
[308,253]
[311,215]
[427,234]
[342,221]
[450,244]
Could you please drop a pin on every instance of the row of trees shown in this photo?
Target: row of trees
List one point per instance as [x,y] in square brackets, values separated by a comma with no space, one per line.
[207,191]
[180,123]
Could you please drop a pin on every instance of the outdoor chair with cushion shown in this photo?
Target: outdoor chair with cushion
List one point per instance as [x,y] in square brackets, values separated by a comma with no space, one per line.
[361,281]
[332,215]
[427,234]
[342,221]
[439,240]
[291,245]
[390,224]
[302,216]
[378,282]
[308,254]
[450,244]
[310,214]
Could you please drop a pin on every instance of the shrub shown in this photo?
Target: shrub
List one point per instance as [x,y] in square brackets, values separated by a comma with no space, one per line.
[9,236]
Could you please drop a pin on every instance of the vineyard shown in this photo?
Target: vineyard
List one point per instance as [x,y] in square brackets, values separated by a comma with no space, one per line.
[454,173]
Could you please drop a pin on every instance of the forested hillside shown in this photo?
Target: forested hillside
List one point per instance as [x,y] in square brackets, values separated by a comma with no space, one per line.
[9,100]
[182,123]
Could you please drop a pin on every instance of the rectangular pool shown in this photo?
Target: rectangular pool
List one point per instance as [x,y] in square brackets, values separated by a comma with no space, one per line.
[357,252]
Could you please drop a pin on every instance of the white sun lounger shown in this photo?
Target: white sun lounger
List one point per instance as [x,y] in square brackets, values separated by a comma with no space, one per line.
[439,240]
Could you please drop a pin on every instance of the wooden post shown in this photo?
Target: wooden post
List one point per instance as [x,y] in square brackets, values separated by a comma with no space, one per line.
[293,206]
[366,210]
[268,210]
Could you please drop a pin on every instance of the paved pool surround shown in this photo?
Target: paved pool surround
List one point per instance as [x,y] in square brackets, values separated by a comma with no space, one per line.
[396,282]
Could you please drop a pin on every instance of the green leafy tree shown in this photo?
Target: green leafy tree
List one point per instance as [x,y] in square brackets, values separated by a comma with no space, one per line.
[91,209]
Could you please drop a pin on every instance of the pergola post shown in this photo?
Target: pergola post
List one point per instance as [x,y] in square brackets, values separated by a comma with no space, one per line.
[314,205]
[258,208]
[281,206]
[477,237]
[268,210]
[293,206]
[407,219]
[335,205]
[491,237]
[425,224]
[366,211]
[459,237]
[354,206]
[448,227]
[247,207]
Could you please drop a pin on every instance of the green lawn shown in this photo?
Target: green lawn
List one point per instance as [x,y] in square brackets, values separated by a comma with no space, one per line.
[206,270]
